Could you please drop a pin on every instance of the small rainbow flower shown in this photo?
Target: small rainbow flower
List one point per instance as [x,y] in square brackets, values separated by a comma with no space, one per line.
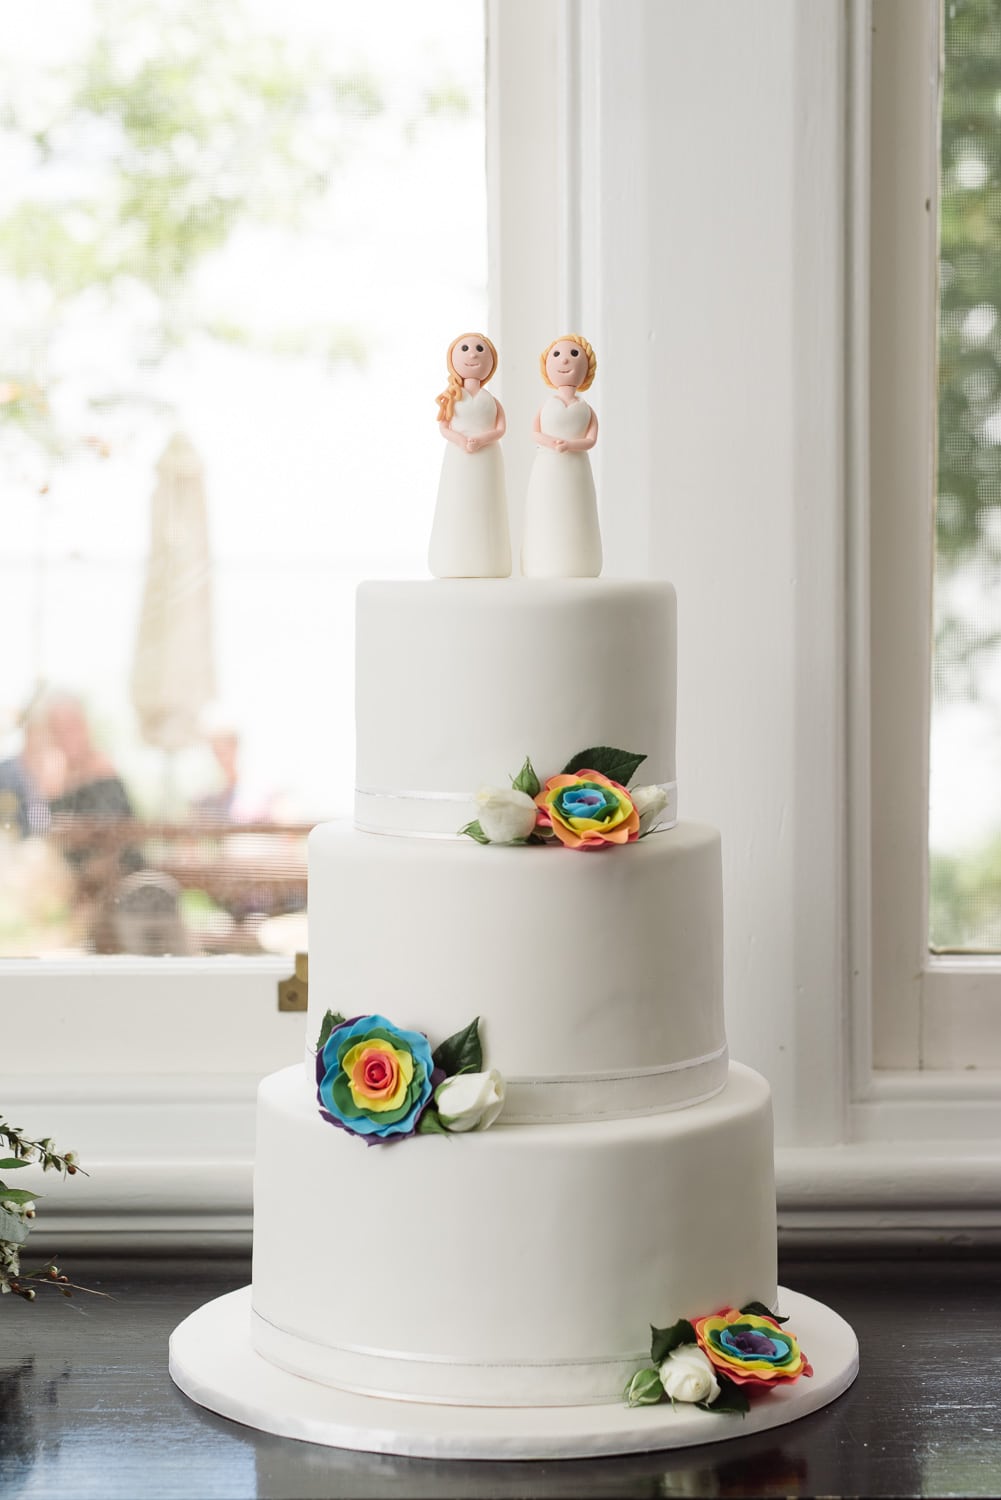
[586,810]
[374,1079]
[749,1349]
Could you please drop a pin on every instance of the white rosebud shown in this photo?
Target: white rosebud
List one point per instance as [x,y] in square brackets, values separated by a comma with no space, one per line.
[649,802]
[470,1101]
[687,1375]
[505,814]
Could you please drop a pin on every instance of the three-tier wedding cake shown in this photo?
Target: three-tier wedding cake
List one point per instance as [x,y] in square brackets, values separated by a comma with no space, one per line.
[555,949]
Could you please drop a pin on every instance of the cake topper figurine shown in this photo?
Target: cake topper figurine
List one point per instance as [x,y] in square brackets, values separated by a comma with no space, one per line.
[470,537]
[562,538]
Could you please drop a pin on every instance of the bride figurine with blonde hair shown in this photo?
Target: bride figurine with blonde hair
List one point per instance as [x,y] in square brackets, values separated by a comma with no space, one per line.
[470,537]
[561,537]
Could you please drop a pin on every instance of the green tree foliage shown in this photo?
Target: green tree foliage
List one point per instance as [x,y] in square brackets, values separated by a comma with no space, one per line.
[969,390]
[965,892]
[180,125]
[965,901]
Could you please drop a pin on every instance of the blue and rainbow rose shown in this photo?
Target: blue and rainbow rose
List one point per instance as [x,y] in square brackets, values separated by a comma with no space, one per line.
[750,1348]
[375,1079]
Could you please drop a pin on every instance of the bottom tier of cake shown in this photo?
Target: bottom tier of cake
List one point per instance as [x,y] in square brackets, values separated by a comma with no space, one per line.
[518,1267]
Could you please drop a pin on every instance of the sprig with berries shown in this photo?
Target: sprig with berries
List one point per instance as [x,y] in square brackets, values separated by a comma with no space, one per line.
[17,1211]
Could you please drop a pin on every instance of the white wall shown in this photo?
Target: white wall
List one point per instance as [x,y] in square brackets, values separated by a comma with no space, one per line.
[708,275]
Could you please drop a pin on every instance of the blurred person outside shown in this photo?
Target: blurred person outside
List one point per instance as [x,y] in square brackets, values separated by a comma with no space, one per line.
[236,799]
[85,781]
[29,778]
[88,802]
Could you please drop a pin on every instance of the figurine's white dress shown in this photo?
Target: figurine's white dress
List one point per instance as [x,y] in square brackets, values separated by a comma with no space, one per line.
[561,537]
[470,536]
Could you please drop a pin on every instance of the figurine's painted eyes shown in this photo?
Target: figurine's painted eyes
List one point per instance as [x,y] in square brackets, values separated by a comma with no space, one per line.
[574,353]
[556,354]
[479,348]
[465,348]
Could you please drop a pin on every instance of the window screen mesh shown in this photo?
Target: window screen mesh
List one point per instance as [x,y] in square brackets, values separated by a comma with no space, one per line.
[236,237]
[965,806]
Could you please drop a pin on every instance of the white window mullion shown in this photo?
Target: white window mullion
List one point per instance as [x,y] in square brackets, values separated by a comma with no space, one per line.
[903,310]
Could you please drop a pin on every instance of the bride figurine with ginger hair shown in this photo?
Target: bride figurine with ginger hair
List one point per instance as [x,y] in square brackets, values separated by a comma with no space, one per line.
[470,537]
[562,538]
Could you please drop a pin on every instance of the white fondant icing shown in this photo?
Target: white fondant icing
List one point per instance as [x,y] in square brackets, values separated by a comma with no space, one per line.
[597,975]
[510,1276]
[469,538]
[212,1361]
[561,534]
[457,681]
[515,1267]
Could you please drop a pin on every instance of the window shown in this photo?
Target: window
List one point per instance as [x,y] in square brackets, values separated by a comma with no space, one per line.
[930,1010]
[965,800]
[235,241]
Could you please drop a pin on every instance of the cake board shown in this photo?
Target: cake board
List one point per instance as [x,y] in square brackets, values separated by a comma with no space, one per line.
[214,1363]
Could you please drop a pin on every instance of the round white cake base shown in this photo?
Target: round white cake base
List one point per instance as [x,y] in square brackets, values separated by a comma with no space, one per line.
[212,1361]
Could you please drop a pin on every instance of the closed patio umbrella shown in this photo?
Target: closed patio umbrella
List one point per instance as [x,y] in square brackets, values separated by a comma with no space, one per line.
[173,673]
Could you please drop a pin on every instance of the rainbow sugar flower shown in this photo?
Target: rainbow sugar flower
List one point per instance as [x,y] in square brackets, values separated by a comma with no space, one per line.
[714,1362]
[750,1348]
[587,810]
[375,1079]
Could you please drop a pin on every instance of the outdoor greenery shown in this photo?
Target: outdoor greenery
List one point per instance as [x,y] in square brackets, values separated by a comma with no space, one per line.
[966,892]
[965,900]
[969,406]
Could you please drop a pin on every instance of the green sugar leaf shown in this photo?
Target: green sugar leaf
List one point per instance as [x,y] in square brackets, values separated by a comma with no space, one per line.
[11,1163]
[430,1123]
[331,1019]
[731,1398]
[474,831]
[663,1340]
[461,1052]
[617,765]
[761,1311]
[526,780]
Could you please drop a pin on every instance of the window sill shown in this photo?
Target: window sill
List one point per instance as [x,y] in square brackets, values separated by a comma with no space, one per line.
[170,1167]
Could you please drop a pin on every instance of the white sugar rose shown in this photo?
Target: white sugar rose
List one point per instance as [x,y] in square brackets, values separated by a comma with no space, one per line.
[687,1375]
[470,1101]
[649,802]
[505,814]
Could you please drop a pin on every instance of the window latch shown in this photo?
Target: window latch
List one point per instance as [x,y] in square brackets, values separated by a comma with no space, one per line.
[293,993]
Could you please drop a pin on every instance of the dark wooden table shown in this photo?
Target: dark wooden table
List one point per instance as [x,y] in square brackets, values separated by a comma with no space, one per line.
[87,1408]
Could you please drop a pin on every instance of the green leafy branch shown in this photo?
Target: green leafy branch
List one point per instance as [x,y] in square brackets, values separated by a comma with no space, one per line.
[17,1211]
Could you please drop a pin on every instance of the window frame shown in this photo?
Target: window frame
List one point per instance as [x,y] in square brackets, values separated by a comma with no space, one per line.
[928,1013]
[863,1147]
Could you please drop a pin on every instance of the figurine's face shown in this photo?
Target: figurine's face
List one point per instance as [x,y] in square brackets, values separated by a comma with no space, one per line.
[471,357]
[566,364]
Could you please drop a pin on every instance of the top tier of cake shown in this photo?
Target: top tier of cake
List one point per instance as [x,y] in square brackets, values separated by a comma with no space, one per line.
[459,680]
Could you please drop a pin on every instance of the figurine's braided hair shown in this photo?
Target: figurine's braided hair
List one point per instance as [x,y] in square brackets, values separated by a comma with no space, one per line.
[450,395]
[584,347]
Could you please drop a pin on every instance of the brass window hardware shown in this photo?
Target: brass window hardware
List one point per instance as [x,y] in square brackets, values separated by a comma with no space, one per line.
[293,993]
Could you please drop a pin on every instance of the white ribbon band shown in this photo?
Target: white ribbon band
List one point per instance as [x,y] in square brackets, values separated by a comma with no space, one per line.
[441,815]
[615,1096]
[442,1379]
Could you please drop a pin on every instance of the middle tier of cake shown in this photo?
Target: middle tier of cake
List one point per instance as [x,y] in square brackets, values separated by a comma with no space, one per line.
[597,976]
